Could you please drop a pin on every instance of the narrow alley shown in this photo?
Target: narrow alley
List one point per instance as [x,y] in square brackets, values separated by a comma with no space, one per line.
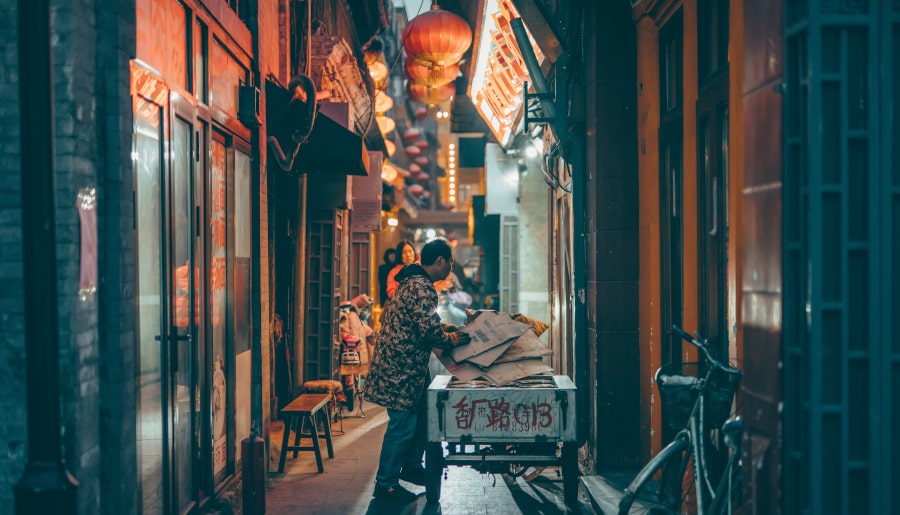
[345,487]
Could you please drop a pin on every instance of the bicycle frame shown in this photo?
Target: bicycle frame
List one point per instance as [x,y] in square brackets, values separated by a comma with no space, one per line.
[690,442]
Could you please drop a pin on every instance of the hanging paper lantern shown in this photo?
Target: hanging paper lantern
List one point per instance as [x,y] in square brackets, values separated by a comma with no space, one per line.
[415,169]
[412,134]
[391,147]
[430,75]
[447,206]
[416,189]
[388,173]
[437,37]
[421,113]
[423,177]
[383,102]
[413,151]
[426,195]
[422,161]
[385,125]
[422,144]
[429,95]
[378,71]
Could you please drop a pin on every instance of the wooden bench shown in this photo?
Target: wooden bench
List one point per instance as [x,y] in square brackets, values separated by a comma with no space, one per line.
[303,411]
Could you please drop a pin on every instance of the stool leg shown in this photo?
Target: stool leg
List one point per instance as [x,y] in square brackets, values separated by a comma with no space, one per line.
[328,437]
[315,439]
[288,419]
[300,425]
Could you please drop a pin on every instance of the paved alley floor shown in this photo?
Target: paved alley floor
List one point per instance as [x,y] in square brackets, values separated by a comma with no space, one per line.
[346,485]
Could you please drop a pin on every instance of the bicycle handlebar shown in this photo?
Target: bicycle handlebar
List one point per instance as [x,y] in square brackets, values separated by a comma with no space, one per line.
[704,349]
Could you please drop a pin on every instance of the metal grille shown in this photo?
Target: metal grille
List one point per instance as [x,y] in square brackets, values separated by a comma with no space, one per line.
[509,263]
[322,298]
[841,224]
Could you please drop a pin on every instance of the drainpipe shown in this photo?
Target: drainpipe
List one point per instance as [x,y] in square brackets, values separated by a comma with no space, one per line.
[531,63]
[45,485]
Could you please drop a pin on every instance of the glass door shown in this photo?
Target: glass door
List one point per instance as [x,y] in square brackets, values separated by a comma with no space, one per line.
[147,156]
[168,311]
[184,274]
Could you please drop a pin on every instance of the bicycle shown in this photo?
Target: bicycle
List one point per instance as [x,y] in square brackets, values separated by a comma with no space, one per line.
[706,401]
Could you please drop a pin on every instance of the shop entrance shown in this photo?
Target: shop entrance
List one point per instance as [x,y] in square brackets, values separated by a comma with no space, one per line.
[168,372]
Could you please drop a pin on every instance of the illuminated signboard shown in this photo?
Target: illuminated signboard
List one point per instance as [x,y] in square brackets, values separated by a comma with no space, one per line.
[499,74]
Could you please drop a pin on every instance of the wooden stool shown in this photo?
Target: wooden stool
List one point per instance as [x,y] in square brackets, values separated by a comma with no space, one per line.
[301,410]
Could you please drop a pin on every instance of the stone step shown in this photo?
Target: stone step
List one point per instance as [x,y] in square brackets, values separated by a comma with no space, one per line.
[605,492]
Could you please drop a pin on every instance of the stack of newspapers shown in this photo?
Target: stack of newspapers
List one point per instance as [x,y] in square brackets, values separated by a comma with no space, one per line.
[504,348]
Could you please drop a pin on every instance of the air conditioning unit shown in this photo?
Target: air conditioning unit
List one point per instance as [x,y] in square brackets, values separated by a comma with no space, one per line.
[248,105]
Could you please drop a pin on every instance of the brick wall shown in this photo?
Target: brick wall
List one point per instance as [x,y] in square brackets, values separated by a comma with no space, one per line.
[91,49]
[12,316]
[117,418]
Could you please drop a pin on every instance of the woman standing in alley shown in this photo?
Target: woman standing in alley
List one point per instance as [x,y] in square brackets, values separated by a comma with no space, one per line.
[406,254]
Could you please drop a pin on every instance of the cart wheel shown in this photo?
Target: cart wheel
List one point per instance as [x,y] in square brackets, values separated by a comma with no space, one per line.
[434,465]
[570,474]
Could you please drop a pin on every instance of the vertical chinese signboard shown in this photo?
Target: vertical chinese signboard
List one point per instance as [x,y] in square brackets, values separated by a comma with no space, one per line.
[218,298]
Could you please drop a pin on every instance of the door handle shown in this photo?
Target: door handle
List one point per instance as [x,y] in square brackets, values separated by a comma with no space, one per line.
[176,337]
[715,207]
[174,355]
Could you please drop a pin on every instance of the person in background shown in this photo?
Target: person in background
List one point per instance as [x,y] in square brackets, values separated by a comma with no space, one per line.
[390,260]
[406,255]
[398,375]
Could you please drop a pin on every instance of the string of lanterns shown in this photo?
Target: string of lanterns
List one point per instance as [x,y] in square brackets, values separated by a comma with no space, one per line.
[434,43]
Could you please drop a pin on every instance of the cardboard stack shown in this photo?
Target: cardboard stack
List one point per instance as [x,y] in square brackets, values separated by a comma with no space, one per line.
[502,349]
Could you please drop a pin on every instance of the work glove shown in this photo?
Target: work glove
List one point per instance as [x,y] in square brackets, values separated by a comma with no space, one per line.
[449,328]
[538,326]
[459,338]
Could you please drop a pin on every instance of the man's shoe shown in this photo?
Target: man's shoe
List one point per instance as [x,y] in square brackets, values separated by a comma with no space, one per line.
[414,475]
[393,493]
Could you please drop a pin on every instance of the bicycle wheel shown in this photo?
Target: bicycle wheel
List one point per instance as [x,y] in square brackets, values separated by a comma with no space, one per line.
[350,393]
[730,490]
[645,496]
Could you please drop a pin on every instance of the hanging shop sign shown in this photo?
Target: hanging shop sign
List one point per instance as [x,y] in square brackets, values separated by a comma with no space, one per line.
[499,73]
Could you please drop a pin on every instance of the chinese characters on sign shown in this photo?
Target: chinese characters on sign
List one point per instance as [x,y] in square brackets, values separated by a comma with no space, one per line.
[504,414]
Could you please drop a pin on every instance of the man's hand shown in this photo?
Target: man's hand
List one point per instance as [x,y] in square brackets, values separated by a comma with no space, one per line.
[459,338]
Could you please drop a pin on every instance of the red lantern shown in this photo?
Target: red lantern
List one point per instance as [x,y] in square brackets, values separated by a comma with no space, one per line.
[423,177]
[413,151]
[431,96]
[416,189]
[415,169]
[426,195]
[430,75]
[447,206]
[422,161]
[422,144]
[421,113]
[437,37]
[411,134]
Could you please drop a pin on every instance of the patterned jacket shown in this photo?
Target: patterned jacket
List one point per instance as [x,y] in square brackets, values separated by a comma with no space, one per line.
[410,328]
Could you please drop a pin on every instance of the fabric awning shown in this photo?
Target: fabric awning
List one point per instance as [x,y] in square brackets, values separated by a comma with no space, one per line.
[331,148]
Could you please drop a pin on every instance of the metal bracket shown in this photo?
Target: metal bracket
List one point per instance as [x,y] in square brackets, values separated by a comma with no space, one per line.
[541,98]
